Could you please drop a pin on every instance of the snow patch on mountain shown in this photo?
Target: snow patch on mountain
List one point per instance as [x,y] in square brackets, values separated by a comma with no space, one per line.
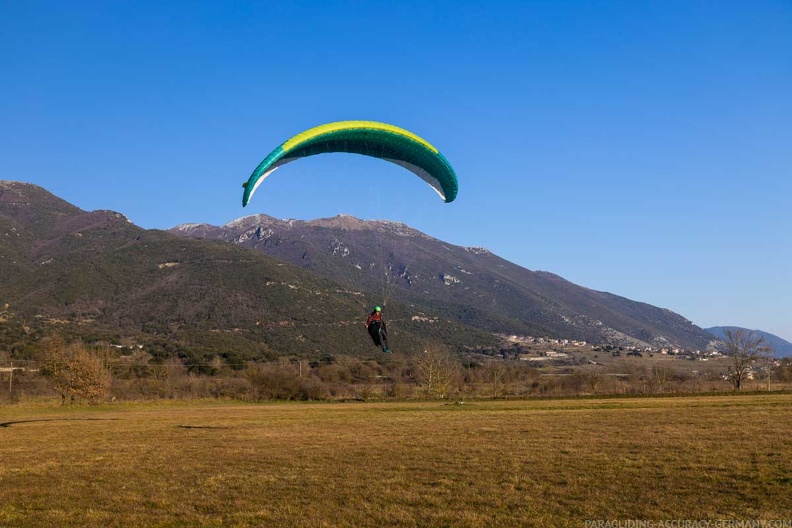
[339,248]
[186,228]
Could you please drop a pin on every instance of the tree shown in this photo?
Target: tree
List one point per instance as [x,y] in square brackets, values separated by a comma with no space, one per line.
[437,371]
[495,373]
[766,364]
[75,370]
[784,371]
[661,375]
[744,349]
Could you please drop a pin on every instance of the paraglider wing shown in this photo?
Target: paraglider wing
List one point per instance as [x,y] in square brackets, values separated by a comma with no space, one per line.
[368,138]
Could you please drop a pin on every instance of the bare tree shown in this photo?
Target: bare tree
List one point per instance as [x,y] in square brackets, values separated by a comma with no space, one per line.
[744,349]
[767,364]
[496,376]
[661,375]
[592,378]
[438,371]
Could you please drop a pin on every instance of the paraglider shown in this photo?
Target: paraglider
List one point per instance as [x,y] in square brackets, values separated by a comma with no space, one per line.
[377,329]
[369,138]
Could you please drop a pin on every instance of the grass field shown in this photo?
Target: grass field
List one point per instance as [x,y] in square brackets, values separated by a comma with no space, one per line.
[515,463]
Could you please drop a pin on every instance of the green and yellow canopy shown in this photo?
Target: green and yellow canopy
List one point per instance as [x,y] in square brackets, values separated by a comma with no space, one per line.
[368,138]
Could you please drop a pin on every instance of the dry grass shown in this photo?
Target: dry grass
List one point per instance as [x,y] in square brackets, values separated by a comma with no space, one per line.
[549,463]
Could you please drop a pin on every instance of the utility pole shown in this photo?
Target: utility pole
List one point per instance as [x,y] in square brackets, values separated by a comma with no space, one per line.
[10,378]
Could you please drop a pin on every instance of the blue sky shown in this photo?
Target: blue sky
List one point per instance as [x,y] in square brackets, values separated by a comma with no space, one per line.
[640,148]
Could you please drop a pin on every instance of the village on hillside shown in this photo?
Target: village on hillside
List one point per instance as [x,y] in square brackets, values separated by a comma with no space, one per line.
[569,352]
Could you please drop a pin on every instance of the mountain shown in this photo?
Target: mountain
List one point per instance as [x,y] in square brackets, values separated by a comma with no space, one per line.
[96,276]
[469,285]
[261,288]
[780,346]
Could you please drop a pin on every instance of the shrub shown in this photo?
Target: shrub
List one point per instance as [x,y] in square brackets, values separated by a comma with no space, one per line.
[76,371]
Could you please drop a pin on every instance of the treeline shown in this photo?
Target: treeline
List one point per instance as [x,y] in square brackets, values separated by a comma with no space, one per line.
[79,373]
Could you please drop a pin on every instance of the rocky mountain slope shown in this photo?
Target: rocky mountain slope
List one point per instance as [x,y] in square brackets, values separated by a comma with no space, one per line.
[467,284]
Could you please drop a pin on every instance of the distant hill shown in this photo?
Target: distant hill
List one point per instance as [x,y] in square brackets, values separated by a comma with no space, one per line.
[781,347]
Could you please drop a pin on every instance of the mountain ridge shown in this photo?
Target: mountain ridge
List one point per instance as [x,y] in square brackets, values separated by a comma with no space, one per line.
[781,347]
[322,245]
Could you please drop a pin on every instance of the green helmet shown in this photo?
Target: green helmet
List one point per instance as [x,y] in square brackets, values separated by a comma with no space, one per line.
[377,309]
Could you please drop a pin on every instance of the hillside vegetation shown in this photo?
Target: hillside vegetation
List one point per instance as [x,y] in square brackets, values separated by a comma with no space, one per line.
[97,277]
